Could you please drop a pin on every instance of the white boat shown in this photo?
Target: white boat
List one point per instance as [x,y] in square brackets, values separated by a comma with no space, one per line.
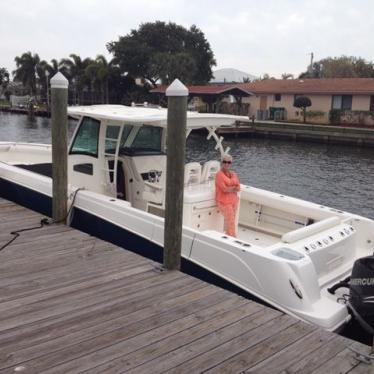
[288,252]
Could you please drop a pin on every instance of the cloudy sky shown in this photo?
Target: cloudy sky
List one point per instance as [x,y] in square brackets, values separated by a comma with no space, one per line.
[268,36]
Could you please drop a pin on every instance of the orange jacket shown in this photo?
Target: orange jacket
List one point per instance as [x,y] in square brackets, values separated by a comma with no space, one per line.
[223,182]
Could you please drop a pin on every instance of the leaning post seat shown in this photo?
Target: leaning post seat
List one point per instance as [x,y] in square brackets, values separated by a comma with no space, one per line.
[192,173]
[209,171]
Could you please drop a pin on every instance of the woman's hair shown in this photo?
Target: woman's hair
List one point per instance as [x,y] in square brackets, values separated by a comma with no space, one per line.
[226,157]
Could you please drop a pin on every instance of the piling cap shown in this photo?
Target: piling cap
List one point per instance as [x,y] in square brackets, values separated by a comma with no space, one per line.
[59,81]
[177,88]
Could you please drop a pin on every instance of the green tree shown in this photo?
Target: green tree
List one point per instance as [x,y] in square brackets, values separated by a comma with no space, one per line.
[287,76]
[302,102]
[165,51]
[4,79]
[26,71]
[123,89]
[52,68]
[98,72]
[340,67]
[75,71]
[45,71]
[265,77]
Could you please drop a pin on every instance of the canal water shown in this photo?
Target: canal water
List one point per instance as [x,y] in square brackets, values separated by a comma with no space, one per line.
[338,176]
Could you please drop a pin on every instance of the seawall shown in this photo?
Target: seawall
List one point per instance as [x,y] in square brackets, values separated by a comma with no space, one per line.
[306,132]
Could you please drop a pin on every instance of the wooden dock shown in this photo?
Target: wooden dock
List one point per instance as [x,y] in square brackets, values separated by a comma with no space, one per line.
[72,303]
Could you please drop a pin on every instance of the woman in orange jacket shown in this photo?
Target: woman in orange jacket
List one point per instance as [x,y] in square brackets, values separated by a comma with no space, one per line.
[227,188]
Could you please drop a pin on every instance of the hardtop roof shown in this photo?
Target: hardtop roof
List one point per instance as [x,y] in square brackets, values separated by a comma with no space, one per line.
[151,116]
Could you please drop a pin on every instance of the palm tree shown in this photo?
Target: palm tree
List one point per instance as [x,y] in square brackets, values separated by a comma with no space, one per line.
[287,76]
[43,71]
[75,72]
[26,71]
[91,75]
[99,72]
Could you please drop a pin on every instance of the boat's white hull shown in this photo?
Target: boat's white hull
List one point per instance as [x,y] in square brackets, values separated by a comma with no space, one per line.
[284,274]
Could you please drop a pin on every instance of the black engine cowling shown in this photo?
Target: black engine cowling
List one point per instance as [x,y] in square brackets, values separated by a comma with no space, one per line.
[361,285]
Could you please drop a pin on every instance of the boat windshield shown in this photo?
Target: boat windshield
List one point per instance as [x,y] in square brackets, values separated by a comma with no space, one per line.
[147,141]
[87,138]
[111,137]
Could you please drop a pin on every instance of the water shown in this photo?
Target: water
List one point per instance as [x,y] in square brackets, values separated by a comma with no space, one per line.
[332,175]
[17,127]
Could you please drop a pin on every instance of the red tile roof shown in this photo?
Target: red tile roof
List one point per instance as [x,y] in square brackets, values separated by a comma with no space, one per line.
[312,86]
[364,86]
[208,89]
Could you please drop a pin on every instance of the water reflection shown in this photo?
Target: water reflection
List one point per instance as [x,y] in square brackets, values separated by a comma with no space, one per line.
[23,129]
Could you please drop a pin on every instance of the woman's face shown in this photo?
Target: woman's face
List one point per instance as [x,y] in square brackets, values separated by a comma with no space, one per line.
[226,164]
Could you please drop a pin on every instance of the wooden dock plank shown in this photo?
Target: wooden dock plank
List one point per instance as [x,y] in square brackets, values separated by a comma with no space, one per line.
[59,275]
[201,322]
[70,303]
[133,310]
[44,281]
[343,362]
[186,358]
[362,369]
[183,341]
[292,353]
[246,349]
[130,274]
[131,323]
[318,357]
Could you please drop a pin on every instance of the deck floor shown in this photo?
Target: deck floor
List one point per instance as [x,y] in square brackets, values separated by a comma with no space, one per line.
[72,303]
[256,237]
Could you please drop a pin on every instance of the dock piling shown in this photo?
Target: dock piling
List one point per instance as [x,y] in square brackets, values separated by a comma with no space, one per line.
[59,118]
[176,142]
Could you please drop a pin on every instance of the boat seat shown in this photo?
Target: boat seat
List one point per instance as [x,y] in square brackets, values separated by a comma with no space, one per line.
[209,171]
[154,192]
[303,232]
[192,173]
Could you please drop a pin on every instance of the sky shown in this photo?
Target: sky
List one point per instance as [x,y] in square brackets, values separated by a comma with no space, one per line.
[257,37]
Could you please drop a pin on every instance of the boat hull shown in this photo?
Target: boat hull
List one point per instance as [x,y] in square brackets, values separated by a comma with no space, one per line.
[256,271]
[97,225]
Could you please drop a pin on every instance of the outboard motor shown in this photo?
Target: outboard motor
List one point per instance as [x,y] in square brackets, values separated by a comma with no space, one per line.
[361,286]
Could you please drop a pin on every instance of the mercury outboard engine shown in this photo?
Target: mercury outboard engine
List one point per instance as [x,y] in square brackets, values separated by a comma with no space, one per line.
[361,286]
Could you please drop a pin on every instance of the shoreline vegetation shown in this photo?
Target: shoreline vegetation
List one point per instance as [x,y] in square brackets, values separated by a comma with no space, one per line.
[153,54]
[139,63]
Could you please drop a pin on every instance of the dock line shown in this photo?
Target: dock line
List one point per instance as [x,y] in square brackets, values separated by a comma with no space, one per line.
[44,221]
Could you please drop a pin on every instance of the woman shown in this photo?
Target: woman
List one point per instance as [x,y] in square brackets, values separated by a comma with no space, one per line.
[227,188]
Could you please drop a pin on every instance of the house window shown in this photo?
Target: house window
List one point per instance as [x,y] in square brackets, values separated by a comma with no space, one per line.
[371,103]
[278,97]
[343,102]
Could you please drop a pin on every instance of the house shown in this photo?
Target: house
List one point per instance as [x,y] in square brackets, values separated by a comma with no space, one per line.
[337,100]
[223,98]
[351,98]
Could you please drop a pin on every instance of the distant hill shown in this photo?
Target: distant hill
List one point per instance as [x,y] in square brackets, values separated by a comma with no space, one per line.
[230,76]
